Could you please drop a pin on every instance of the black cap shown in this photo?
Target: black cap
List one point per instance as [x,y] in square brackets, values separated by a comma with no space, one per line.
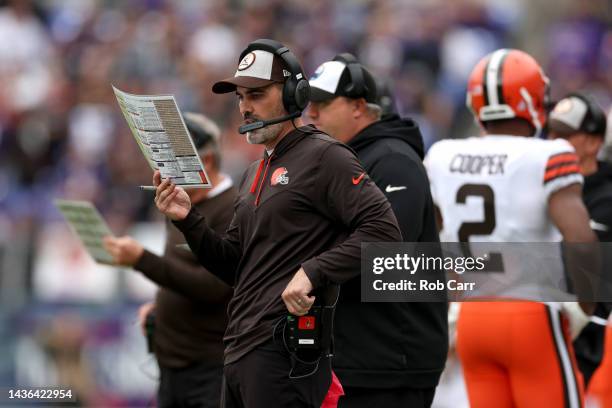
[342,78]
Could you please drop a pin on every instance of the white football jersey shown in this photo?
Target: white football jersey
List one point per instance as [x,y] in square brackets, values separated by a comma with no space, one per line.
[495,188]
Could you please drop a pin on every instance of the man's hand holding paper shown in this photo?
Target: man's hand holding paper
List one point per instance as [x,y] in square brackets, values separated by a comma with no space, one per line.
[172,200]
[126,251]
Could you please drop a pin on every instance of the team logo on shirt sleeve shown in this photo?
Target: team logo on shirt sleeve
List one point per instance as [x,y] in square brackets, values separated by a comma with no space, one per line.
[280,177]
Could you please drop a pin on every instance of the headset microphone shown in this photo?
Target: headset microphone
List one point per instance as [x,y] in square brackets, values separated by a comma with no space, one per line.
[263,123]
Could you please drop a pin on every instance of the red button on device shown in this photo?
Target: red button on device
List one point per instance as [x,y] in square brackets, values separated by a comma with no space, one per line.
[306,323]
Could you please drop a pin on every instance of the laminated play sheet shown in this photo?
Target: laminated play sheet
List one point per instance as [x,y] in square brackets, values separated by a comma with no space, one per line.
[158,127]
[87,223]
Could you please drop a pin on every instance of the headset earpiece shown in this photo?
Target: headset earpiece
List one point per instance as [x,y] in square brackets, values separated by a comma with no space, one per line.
[356,87]
[302,94]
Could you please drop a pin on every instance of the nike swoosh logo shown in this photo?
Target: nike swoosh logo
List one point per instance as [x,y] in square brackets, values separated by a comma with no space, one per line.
[358,179]
[391,189]
[596,226]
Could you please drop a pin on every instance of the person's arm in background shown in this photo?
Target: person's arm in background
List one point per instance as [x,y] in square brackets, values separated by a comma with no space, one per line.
[170,271]
[566,201]
[567,211]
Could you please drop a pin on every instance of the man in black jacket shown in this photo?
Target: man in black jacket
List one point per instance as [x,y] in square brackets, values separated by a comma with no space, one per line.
[581,121]
[301,216]
[386,354]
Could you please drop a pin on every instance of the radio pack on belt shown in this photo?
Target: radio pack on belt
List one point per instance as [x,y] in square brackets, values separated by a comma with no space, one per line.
[309,337]
[304,332]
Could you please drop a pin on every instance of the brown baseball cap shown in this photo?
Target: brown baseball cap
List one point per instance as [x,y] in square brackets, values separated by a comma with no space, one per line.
[257,69]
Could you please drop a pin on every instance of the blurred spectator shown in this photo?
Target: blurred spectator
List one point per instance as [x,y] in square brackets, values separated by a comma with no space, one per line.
[26,53]
[62,134]
[63,342]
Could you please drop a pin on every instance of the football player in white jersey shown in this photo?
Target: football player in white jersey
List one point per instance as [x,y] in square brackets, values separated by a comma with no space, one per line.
[510,186]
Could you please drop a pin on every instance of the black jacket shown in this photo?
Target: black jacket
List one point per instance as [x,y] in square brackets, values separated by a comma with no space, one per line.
[309,204]
[597,196]
[390,345]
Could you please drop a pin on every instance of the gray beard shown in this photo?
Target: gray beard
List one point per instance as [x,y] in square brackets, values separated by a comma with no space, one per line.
[264,135]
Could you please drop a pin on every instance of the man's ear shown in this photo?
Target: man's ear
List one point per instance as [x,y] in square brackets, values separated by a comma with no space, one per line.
[359,107]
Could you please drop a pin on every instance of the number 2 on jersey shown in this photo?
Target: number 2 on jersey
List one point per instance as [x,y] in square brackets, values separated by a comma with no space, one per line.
[484,227]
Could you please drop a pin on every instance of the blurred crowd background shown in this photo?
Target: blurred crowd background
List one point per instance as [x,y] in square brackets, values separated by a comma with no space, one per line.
[64,320]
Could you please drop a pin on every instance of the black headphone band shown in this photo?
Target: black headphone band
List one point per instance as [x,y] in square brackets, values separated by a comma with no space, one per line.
[357,86]
[276,48]
[346,57]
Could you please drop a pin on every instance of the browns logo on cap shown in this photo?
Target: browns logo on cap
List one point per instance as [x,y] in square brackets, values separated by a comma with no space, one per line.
[247,61]
[257,69]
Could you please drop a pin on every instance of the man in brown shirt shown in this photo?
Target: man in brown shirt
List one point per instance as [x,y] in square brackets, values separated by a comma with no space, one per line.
[301,216]
[190,308]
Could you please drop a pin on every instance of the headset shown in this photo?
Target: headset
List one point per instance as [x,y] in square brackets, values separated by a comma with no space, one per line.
[296,89]
[594,121]
[356,88]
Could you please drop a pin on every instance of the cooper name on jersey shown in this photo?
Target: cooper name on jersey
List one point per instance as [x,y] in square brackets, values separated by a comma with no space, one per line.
[478,164]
